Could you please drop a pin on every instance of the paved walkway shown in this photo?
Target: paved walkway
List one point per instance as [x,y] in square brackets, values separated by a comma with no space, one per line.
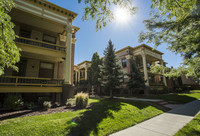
[139,99]
[163,103]
[166,124]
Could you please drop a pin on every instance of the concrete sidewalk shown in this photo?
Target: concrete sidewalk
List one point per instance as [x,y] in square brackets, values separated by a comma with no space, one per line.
[166,124]
[139,99]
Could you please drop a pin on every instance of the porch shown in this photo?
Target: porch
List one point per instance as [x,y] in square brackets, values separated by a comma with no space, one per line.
[17,84]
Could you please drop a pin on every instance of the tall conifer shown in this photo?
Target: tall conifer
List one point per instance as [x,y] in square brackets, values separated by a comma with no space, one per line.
[111,73]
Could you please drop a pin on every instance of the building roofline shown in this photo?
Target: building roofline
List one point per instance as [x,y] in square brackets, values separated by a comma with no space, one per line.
[139,46]
[76,29]
[55,8]
[148,47]
[83,62]
[125,48]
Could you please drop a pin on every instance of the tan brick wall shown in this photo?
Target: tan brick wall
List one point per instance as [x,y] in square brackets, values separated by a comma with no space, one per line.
[60,70]
[188,80]
[32,69]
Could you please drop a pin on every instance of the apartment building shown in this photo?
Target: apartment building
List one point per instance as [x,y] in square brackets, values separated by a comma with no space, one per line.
[46,37]
[144,56]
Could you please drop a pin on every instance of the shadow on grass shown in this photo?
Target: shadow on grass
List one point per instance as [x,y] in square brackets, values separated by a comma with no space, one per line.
[89,121]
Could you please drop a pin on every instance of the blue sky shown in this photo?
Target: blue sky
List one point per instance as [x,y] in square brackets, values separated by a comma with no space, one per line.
[122,35]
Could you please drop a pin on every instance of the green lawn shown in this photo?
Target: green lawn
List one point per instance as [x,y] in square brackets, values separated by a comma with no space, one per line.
[103,118]
[179,98]
[191,129]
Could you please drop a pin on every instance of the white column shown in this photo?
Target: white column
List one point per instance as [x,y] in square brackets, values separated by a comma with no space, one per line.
[68,62]
[79,75]
[145,70]
[75,77]
[164,78]
[86,73]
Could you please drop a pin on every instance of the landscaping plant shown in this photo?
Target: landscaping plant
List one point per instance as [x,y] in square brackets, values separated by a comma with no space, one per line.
[13,102]
[70,102]
[29,105]
[47,105]
[81,100]
[41,100]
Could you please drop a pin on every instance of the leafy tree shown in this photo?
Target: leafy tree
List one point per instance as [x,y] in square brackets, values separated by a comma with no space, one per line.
[136,81]
[9,53]
[94,70]
[111,72]
[100,10]
[177,23]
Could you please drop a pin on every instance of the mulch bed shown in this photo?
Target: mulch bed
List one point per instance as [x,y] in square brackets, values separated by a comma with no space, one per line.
[38,111]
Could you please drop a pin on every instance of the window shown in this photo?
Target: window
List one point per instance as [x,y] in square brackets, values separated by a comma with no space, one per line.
[125,79]
[49,39]
[81,74]
[25,33]
[148,65]
[123,63]
[46,70]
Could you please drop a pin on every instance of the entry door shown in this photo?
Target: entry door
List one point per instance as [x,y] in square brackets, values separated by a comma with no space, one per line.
[46,70]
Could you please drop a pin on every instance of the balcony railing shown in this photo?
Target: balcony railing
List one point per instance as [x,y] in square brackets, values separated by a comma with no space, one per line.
[40,44]
[29,81]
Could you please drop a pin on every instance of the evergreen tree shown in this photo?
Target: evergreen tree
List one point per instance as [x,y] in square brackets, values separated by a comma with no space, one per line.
[136,81]
[94,72]
[111,73]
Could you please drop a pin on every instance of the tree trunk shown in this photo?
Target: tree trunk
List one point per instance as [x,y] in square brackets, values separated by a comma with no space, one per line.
[111,95]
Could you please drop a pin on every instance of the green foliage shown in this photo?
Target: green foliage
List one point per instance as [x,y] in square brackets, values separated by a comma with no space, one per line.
[41,100]
[177,23]
[29,105]
[101,10]
[81,100]
[136,82]
[111,71]
[169,72]
[94,70]
[9,52]
[47,104]
[13,102]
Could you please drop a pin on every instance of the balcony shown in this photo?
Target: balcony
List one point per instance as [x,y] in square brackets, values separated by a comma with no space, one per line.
[30,81]
[15,84]
[40,44]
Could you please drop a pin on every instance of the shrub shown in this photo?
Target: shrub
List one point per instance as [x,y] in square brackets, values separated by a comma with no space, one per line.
[81,100]
[13,102]
[41,100]
[29,105]
[47,105]
[70,102]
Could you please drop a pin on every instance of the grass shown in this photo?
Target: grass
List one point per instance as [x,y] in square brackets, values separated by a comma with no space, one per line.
[178,98]
[103,118]
[195,91]
[191,129]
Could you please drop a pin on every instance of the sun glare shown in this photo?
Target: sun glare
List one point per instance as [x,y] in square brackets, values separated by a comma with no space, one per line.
[121,15]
